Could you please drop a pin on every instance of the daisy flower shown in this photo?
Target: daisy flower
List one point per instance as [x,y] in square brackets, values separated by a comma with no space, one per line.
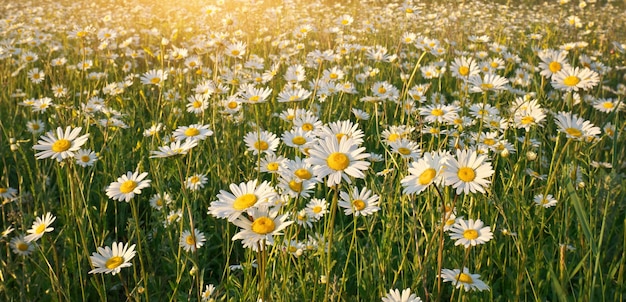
[342,129]
[244,197]
[407,148]
[172,217]
[424,172]
[465,279]
[552,61]
[394,295]
[192,132]
[196,182]
[297,138]
[157,201]
[316,208]
[85,157]
[572,79]
[468,172]
[488,82]
[294,186]
[261,142]
[394,133]
[40,227]
[576,128]
[191,242]
[308,122]
[35,126]
[20,246]
[470,232]
[464,67]
[545,201]
[7,193]
[337,160]
[608,105]
[272,163]
[208,291]
[260,228]
[60,145]
[253,95]
[112,259]
[175,148]
[154,77]
[357,202]
[127,186]
[197,103]
[360,114]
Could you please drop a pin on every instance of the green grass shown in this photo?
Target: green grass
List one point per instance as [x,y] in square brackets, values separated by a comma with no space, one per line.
[573,251]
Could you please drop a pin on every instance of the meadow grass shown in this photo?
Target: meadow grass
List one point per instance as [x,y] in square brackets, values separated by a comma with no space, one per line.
[129,75]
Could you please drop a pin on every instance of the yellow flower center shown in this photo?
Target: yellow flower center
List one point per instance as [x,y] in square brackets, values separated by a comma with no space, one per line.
[61,145]
[40,229]
[427,176]
[244,201]
[196,104]
[307,127]
[295,186]
[232,105]
[194,179]
[489,141]
[338,161]
[298,140]
[156,80]
[470,234]
[486,86]
[358,204]
[272,166]
[261,145]
[114,262]
[22,246]
[393,137]
[344,22]
[382,90]
[254,98]
[571,80]
[339,136]
[528,120]
[464,70]
[437,112]
[544,201]
[333,76]
[574,132]
[554,67]
[263,225]
[159,202]
[192,132]
[3,190]
[494,64]
[608,105]
[85,158]
[235,52]
[303,173]
[128,186]
[465,278]
[466,174]
[190,240]
[317,209]
[404,151]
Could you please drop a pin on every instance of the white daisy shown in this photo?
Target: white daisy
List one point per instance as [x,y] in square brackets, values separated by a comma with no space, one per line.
[112,259]
[337,160]
[60,145]
[127,186]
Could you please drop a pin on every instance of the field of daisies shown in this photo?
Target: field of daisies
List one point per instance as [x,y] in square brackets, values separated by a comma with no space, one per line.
[292,150]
